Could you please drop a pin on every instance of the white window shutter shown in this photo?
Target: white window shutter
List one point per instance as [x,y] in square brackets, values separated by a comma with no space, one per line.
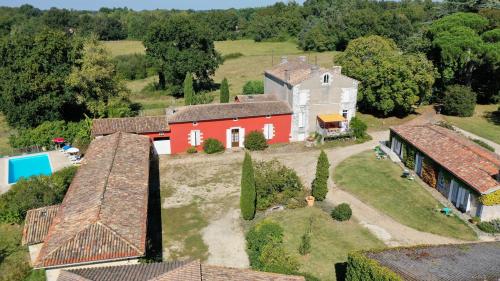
[200,137]
[228,138]
[271,131]
[242,137]
[191,138]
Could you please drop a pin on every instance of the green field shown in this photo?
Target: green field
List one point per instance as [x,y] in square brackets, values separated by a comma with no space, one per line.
[483,123]
[331,241]
[124,47]
[379,184]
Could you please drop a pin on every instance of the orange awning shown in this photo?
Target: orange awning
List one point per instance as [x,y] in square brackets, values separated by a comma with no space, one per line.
[331,118]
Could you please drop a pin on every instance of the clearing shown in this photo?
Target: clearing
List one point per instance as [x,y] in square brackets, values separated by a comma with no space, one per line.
[124,47]
[483,123]
[379,183]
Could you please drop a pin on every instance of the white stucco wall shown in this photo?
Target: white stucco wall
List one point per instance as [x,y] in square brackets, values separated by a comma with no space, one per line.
[52,274]
[490,212]
[34,251]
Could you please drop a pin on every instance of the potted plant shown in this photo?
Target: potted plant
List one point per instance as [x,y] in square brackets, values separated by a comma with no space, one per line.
[310,200]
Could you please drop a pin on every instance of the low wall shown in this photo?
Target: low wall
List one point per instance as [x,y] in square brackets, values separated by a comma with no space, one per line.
[490,212]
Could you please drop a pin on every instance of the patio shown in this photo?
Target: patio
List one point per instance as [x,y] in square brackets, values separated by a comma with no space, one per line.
[332,125]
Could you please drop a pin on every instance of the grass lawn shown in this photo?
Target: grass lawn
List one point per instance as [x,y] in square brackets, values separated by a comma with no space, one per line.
[330,240]
[380,123]
[252,48]
[5,131]
[482,123]
[379,183]
[124,47]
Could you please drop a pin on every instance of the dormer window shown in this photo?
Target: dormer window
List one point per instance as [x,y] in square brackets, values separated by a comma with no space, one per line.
[326,79]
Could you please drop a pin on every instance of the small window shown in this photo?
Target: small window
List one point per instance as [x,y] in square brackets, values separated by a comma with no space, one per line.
[344,113]
[235,119]
[195,123]
[268,131]
[268,116]
[161,134]
[326,79]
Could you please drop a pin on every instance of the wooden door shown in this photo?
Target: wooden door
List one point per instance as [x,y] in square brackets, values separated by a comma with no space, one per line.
[235,137]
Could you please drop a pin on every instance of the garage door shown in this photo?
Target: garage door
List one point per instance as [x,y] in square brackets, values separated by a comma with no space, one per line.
[162,146]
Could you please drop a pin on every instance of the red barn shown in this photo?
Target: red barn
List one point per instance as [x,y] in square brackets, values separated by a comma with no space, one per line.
[191,125]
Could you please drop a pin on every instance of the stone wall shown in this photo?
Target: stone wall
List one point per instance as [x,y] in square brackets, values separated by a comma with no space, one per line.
[490,212]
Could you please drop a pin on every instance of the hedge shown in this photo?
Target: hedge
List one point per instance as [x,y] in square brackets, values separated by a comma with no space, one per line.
[255,141]
[359,267]
[491,198]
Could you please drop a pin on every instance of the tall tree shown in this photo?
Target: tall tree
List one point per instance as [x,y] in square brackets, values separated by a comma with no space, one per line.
[33,70]
[179,45]
[224,91]
[94,80]
[319,187]
[248,193]
[188,89]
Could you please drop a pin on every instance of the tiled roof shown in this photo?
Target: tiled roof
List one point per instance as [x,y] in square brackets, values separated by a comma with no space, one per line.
[458,262]
[37,224]
[172,271]
[220,111]
[103,215]
[146,124]
[134,272]
[468,161]
[256,98]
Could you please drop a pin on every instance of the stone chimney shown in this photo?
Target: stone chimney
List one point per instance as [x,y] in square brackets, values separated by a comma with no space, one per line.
[284,59]
[302,58]
[337,69]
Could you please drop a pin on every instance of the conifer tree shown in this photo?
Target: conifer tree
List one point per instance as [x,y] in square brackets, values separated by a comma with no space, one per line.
[248,193]
[224,91]
[188,89]
[320,183]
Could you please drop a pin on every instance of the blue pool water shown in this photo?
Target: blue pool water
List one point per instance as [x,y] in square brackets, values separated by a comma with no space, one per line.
[28,166]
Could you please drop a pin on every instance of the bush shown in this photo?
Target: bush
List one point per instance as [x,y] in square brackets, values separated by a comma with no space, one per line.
[224,91]
[319,185]
[305,244]
[35,192]
[191,150]
[490,199]
[253,87]
[132,67]
[255,141]
[490,226]
[483,144]
[212,146]
[359,267]
[358,128]
[247,198]
[276,184]
[459,101]
[14,263]
[342,212]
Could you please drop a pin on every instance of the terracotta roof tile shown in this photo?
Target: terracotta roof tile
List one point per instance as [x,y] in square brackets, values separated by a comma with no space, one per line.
[205,112]
[103,215]
[219,273]
[468,161]
[146,124]
[37,224]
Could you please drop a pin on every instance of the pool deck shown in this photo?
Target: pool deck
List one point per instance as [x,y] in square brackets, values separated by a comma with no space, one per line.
[57,160]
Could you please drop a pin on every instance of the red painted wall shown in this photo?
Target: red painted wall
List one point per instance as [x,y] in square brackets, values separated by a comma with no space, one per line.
[179,132]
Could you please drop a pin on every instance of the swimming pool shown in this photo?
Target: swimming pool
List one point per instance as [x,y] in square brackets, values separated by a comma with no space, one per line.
[28,166]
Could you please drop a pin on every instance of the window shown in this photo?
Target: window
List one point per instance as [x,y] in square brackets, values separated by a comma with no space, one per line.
[268,116]
[235,119]
[268,131]
[195,123]
[195,137]
[326,79]
[344,113]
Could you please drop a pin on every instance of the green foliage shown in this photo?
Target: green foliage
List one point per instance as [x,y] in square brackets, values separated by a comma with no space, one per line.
[266,251]
[490,199]
[255,140]
[305,244]
[342,212]
[459,101]
[34,192]
[211,146]
[188,89]
[276,184]
[358,128]
[248,193]
[410,154]
[359,267]
[109,28]
[191,150]
[231,56]
[319,185]
[179,45]
[492,226]
[471,20]
[132,67]
[14,263]
[492,36]
[224,91]
[72,132]
[484,144]
[391,82]
[253,87]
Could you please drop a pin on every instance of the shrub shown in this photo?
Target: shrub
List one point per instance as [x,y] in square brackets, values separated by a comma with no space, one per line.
[358,128]
[35,192]
[211,146]
[276,184]
[492,226]
[224,91]
[459,101]
[132,67]
[320,182]
[202,98]
[248,195]
[274,258]
[490,199]
[342,212]
[483,144]
[191,150]
[255,141]
[253,87]
[305,244]
[14,263]
[359,267]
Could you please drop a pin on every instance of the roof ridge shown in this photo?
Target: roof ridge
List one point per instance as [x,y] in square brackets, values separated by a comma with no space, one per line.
[45,207]
[175,270]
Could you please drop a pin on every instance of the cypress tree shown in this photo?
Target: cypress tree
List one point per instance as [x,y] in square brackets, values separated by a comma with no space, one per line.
[248,193]
[188,89]
[320,183]
[224,91]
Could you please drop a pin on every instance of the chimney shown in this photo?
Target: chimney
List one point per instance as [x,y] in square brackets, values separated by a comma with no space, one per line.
[284,59]
[287,75]
[302,58]
[337,69]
